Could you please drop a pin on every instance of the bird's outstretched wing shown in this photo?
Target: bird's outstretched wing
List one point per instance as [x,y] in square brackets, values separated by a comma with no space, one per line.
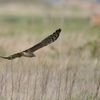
[29,52]
[48,40]
[12,56]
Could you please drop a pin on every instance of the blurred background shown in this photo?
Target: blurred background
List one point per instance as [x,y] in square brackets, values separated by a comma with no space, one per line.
[68,69]
[38,17]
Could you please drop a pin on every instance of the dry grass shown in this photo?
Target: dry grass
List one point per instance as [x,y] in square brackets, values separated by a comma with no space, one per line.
[59,72]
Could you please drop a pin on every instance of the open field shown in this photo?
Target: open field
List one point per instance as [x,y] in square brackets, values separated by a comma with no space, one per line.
[65,70]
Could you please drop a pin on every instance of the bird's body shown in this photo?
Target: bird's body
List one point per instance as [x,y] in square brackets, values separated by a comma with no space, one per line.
[30,52]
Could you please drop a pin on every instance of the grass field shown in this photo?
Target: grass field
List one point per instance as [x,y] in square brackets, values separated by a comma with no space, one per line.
[69,69]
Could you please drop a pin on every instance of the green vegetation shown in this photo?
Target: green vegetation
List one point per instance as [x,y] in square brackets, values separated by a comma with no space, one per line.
[29,24]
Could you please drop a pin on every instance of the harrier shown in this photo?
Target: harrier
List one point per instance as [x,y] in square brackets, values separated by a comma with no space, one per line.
[30,52]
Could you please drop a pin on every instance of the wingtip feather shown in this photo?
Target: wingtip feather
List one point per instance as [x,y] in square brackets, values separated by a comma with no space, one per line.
[58,30]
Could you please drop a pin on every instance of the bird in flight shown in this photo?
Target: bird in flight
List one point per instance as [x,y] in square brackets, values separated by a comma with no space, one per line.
[30,52]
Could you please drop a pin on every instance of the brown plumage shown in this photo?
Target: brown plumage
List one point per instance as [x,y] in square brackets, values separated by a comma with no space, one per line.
[30,52]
